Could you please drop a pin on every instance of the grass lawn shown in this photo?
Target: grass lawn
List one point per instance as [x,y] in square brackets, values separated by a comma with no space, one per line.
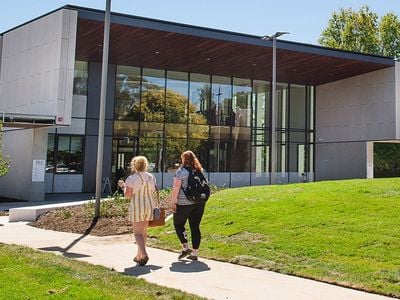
[30,274]
[345,232]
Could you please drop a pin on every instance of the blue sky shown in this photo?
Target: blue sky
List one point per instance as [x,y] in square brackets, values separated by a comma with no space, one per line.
[303,19]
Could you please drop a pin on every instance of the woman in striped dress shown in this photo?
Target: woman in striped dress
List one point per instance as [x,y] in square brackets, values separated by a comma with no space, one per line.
[140,187]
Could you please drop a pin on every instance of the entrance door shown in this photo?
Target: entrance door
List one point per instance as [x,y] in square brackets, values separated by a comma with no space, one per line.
[124,149]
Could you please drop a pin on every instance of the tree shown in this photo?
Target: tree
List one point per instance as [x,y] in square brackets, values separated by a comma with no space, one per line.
[362,31]
[4,163]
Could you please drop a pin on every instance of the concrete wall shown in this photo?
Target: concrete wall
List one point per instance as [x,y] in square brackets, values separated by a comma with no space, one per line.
[22,147]
[349,113]
[38,67]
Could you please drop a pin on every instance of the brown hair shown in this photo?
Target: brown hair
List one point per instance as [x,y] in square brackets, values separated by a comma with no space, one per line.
[189,159]
[139,164]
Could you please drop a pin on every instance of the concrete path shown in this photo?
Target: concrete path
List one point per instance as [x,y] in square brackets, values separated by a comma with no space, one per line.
[207,278]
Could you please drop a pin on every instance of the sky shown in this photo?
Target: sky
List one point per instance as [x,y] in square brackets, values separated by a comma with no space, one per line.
[304,19]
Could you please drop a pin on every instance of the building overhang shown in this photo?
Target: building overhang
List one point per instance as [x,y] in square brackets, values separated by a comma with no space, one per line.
[144,42]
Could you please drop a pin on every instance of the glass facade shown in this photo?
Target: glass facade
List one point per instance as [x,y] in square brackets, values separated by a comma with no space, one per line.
[224,120]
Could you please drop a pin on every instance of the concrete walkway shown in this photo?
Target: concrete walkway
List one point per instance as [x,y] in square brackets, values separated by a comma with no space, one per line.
[207,278]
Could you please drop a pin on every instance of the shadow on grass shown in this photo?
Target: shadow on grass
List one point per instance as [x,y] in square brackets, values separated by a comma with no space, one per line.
[64,251]
[138,270]
[189,266]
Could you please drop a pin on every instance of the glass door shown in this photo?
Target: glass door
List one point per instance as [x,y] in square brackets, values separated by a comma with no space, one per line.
[124,149]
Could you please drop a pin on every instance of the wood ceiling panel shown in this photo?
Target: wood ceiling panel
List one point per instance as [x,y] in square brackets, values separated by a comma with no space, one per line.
[168,50]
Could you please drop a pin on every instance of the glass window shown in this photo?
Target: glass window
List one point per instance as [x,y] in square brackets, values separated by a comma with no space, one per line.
[219,156]
[310,107]
[65,153]
[127,93]
[176,97]
[152,148]
[260,158]
[241,102]
[50,154]
[126,128]
[281,105]
[153,95]
[221,98]
[297,106]
[261,103]
[240,156]
[199,99]
[80,78]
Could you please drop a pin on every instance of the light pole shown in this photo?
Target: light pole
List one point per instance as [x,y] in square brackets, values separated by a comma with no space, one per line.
[103,93]
[273,100]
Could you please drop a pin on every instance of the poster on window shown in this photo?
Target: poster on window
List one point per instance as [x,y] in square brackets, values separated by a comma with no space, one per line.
[38,170]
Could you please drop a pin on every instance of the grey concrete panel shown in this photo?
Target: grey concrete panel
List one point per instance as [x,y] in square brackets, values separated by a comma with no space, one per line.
[68,183]
[92,127]
[48,179]
[360,108]
[94,84]
[397,68]
[1,48]
[77,127]
[37,67]
[340,161]
[89,171]
[22,147]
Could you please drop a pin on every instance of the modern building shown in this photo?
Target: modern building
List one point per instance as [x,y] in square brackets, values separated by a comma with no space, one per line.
[173,87]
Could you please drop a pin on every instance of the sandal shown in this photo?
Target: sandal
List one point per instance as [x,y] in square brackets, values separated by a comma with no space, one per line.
[143,261]
[136,260]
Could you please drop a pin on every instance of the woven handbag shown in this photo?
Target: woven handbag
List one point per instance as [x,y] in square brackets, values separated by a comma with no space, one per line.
[158,213]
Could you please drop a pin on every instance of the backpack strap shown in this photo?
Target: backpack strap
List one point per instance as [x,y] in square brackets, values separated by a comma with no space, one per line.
[183,190]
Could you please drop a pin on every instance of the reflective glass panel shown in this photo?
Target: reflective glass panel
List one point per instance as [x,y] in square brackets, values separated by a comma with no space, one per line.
[261,103]
[199,99]
[240,156]
[126,128]
[153,95]
[50,154]
[281,105]
[221,98]
[80,78]
[219,158]
[152,148]
[297,107]
[127,93]
[241,102]
[176,97]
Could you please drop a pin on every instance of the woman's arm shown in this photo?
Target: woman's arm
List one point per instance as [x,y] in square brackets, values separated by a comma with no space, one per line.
[128,191]
[175,191]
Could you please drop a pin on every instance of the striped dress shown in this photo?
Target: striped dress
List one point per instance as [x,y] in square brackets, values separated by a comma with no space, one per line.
[142,201]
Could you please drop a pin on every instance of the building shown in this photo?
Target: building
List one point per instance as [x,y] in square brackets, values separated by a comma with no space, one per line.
[173,87]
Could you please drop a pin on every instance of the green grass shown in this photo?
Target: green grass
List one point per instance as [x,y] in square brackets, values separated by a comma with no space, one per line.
[345,232]
[30,274]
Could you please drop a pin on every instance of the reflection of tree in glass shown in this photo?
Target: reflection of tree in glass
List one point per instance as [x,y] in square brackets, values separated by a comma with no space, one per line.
[155,108]
[126,95]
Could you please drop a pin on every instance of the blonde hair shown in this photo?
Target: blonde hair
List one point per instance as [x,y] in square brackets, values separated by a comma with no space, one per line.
[189,159]
[139,164]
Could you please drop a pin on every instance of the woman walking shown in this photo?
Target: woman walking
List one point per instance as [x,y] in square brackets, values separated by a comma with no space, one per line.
[187,210]
[140,187]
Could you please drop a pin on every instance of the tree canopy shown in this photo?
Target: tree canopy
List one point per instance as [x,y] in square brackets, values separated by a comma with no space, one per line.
[363,31]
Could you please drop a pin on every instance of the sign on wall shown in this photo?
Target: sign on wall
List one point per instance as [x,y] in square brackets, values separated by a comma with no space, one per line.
[38,170]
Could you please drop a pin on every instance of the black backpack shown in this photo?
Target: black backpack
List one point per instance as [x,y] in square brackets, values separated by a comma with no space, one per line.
[197,190]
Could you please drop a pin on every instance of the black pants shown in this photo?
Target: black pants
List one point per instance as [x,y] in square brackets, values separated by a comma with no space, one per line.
[194,213]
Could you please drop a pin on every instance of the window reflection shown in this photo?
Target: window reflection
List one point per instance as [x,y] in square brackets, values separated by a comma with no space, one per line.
[127,93]
[221,98]
[241,102]
[80,78]
[176,97]
[153,95]
[297,107]
[199,97]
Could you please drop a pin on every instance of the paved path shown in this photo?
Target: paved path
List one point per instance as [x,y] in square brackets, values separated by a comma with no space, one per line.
[207,278]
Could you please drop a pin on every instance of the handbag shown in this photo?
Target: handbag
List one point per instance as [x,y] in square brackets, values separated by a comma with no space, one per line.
[158,213]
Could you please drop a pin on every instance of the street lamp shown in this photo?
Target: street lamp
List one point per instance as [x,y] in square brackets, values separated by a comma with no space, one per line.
[103,93]
[273,100]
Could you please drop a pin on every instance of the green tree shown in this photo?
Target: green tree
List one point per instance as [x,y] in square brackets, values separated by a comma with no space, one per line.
[362,31]
[4,163]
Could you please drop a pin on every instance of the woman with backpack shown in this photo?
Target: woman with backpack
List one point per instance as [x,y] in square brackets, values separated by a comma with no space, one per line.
[189,179]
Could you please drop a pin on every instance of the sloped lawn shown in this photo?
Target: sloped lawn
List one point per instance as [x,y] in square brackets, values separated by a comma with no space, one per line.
[345,232]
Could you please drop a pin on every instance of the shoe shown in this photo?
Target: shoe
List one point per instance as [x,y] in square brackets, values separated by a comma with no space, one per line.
[143,261]
[192,257]
[136,260]
[184,253]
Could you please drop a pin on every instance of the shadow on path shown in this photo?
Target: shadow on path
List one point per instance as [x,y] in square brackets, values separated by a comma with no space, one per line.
[138,270]
[189,266]
[65,252]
